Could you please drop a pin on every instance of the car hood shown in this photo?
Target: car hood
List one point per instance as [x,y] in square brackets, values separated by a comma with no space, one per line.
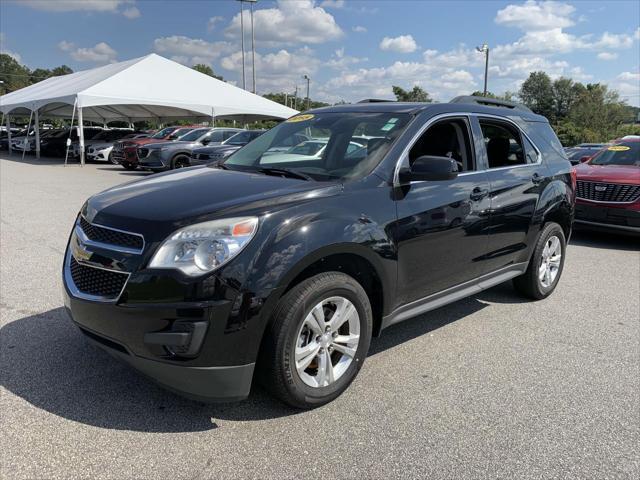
[140,141]
[627,174]
[100,145]
[174,144]
[164,202]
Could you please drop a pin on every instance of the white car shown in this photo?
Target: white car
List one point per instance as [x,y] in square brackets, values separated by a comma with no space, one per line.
[100,146]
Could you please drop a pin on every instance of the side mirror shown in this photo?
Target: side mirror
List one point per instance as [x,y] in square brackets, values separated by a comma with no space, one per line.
[586,158]
[206,141]
[430,168]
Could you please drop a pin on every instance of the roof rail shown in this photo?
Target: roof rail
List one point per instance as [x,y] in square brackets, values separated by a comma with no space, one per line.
[490,102]
[375,100]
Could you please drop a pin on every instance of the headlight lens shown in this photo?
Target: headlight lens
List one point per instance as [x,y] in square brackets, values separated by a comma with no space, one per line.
[203,247]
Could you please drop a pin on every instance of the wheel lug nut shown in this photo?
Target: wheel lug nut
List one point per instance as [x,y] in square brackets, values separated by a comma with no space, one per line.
[334,334]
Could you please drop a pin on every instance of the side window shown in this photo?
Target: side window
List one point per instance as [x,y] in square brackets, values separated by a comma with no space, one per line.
[447,138]
[228,134]
[503,143]
[216,136]
[530,151]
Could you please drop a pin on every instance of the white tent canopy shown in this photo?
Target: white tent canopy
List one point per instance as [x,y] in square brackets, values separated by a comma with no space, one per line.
[146,88]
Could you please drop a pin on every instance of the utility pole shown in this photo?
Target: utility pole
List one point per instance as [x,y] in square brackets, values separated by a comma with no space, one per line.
[485,49]
[295,99]
[308,79]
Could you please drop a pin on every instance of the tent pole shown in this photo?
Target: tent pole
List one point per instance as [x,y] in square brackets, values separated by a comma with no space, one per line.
[213,117]
[8,132]
[81,135]
[26,138]
[73,115]
[37,134]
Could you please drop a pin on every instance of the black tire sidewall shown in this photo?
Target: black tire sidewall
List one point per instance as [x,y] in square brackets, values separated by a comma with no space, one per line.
[301,392]
[177,158]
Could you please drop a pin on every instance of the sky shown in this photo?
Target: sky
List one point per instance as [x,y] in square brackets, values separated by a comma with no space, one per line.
[350,49]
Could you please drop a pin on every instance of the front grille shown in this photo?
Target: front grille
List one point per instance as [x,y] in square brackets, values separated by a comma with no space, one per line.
[95,281]
[111,237]
[608,192]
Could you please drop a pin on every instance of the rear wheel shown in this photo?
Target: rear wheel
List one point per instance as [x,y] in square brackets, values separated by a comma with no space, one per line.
[546,264]
[318,340]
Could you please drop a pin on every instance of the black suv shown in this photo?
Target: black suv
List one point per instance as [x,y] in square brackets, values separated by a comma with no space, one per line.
[289,265]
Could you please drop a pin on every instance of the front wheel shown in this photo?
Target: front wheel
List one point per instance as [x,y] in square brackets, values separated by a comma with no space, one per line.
[546,264]
[317,341]
[180,161]
[111,159]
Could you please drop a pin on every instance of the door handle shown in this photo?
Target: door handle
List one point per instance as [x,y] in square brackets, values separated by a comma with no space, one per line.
[479,193]
[536,178]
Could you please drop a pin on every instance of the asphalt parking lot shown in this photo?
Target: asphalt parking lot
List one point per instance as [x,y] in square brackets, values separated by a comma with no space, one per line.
[492,386]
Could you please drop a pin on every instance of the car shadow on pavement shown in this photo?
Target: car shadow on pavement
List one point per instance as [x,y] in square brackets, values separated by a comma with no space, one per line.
[47,362]
[121,171]
[605,240]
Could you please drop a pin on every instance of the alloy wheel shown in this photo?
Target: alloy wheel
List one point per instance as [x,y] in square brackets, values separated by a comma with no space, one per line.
[550,262]
[327,342]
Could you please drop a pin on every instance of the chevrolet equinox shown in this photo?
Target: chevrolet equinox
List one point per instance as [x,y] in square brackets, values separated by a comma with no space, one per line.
[287,264]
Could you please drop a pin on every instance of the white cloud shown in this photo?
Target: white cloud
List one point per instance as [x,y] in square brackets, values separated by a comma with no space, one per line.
[99,53]
[212,22]
[332,4]
[629,77]
[359,29]
[612,40]
[109,6]
[340,61]
[131,13]
[276,72]
[533,15]
[401,44]
[607,56]
[191,51]
[628,85]
[292,22]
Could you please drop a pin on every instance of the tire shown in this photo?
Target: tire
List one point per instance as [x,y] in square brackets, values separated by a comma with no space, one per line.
[180,161]
[112,160]
[533,283]
[129,166]
[289,328]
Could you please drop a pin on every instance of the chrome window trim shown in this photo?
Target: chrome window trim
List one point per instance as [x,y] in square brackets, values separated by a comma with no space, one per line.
[68,280]
[108,246]
[468,115]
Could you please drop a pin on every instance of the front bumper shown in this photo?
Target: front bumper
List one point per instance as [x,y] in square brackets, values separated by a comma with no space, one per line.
[605,217]
[153,161]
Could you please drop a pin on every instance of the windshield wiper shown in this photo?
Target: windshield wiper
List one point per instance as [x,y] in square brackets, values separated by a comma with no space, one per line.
[285,172]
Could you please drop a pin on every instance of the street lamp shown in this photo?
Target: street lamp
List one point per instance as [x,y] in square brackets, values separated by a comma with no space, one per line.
[253,43]
[485,49]
[308,79]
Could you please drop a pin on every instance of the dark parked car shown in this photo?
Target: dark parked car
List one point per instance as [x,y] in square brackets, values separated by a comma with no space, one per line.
[583,152]
[56,145]
[608,195]
[217,153]
[200,276]
[176,154]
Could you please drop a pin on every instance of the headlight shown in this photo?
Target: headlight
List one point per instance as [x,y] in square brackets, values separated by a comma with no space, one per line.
[203,247]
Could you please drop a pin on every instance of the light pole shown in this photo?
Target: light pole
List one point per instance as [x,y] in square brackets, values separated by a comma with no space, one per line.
[485,49]
[308,79]
[253,43]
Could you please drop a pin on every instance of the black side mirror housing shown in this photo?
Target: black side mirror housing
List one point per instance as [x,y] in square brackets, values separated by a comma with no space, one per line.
[206,141]
[430,168]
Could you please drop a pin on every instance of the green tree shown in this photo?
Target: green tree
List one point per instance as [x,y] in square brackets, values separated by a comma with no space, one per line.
[289,101]
[13,75]
[61,70]
[207,70]
[536,93]
[417,94]
[599,110]
[565,93]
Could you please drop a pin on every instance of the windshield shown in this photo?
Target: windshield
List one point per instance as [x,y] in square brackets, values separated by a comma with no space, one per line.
[307,148]
[334,133]
[194,135]
[164,132]
[625,153]
[241,138]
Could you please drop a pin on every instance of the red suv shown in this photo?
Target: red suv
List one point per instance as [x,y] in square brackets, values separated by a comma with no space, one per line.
[125,151]
[608,191]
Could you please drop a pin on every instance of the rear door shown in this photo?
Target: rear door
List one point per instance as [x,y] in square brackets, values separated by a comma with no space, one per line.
[441,233]
[516,178]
